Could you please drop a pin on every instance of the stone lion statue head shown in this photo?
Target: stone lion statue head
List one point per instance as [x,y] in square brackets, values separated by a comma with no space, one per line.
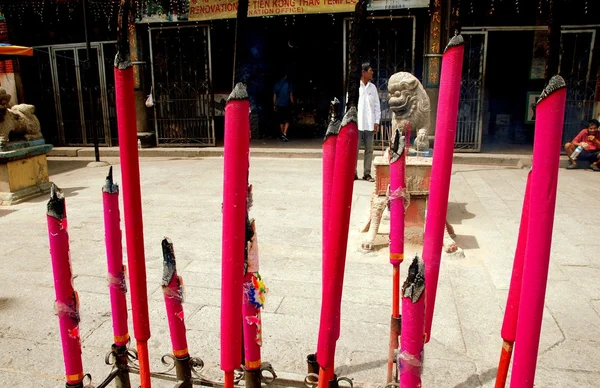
[408,100]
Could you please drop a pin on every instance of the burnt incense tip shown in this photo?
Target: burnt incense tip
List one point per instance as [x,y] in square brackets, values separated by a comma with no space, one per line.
[351,116]
[334,121]
[395,149]
[239,93]
[457,40]
[56,204]
[414,285]
[556,83]
[109,185]
[169,266]
[333,128]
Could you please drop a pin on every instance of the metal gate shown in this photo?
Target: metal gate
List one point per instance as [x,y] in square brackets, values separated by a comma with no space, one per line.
[470,113]
[575,68]
[182,85]
[393,51]
[70,92]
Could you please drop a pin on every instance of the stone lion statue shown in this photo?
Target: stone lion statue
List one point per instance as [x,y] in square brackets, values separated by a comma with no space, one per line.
[409,101]
[17,123]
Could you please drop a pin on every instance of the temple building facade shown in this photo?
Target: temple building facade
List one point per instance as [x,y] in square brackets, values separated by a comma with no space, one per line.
[184,56]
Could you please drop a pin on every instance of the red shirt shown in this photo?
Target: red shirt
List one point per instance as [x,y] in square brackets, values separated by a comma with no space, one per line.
[583,138]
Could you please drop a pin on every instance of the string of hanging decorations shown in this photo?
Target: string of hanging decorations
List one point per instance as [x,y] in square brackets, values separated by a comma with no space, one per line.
[102,11]
[523,9]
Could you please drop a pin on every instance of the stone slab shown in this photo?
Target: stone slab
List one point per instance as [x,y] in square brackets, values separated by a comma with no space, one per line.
[21,153]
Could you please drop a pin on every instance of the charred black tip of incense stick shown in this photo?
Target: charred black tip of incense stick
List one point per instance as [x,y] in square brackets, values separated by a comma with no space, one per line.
[56,204]
[239,93]
[396,140]
[457,40]
[351,116]
[169,266]
[109,185]
[333,128]
[556,83]
[123,56]
[395,150]
[414,285]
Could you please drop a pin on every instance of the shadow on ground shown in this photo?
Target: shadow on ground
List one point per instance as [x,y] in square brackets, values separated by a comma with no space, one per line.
[5,212]
[466,242]
[476,381]
[457,212]
[61,166]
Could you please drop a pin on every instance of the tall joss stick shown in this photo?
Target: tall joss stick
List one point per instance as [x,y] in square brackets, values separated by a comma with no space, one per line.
[509,326]
[116,276]
[333,281]
[114,258]
[550,113]
[132,198]
[443,149]
[237,143]
[410,357]
[254,299]
[329,149]
[334,259]
[67,299]
[397,154]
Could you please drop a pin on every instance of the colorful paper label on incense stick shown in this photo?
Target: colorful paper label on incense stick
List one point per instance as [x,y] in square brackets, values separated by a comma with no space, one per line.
[256,290]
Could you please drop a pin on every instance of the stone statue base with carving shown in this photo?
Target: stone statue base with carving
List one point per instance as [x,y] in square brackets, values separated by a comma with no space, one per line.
[23,171]
[418,177]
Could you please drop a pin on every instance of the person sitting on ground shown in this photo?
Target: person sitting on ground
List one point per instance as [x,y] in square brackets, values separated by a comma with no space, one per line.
[589,140]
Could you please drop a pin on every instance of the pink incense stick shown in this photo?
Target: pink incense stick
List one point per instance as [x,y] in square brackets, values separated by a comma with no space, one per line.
[237,143]
[410,357]
[329,155]
[335,258]
[172,286]
[67,299]
[509,326]
[114,258]
[397,159]
[397,154]
[443,149]
[253,301]
[132,198]
[550,114]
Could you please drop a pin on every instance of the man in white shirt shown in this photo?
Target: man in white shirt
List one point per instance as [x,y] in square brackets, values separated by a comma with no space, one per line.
[369,114]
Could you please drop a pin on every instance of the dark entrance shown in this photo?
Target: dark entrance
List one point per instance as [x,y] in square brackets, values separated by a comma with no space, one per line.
[311,56]
[513,78]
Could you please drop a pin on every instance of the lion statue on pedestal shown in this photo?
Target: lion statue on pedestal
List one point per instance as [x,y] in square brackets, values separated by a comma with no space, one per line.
[17,123]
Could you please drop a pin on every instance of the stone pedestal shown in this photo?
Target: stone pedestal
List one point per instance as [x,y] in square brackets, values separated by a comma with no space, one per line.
[23,171]
[418,178]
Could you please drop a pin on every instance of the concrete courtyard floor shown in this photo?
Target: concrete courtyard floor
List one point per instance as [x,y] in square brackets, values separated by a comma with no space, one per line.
[182,199]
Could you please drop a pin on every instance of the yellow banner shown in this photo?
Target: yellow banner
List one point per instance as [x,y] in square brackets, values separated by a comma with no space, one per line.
[226,9]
